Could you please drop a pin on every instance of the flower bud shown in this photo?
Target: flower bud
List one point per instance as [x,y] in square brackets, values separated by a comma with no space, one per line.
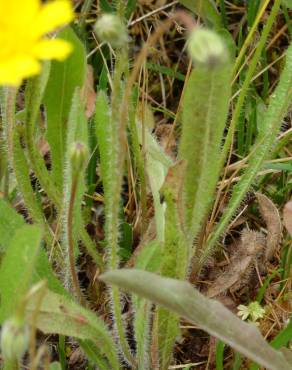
[78,155]
[14,339]
[110,28]
[206,47]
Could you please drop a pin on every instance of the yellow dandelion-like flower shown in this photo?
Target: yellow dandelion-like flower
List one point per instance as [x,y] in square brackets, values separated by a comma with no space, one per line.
[23,27]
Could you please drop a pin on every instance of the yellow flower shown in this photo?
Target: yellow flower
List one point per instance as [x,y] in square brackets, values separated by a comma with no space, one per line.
[23,27]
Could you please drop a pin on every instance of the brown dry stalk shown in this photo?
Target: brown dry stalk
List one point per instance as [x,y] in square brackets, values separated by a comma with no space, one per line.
[272,219]
[287,217]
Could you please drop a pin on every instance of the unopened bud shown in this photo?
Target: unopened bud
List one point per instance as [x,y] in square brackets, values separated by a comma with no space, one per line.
[110,28]
[206,47]
[78,156]
[14,339]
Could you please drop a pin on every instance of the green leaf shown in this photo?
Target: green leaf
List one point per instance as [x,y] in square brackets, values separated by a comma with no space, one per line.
[17,268]
[77,132]
[288,3]
[103,134]
[205,9]
[57,314]
[94,354]
[148,259]
[64,78]
[157,165]
[220,355]
[55,366]
[273,117]
[283,338]
[10,222]
[205,109]
[180,297]
[44,271]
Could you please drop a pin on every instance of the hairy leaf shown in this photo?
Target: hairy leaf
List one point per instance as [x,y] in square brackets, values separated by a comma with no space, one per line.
[10,222]
[181,298]
[64,78]
[205,108]
[57,314]
[16,269]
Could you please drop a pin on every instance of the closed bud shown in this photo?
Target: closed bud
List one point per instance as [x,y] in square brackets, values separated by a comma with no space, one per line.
[110,28]
[207,48]
[14,339]
[78,156]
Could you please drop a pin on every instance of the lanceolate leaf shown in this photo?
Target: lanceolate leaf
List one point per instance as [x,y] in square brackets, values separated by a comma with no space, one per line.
[10,223]
[64,78]
[181,298]
[17,268]
[157,165]
[58,314]
[205,108]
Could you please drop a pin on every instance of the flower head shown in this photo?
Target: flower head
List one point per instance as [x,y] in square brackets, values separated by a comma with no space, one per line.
[110,28]
[78,155]
[14,338]
[23,27]
[253,311]
[206,47]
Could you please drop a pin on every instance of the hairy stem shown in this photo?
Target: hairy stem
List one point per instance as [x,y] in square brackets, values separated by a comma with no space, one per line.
[71,256]
[34,94]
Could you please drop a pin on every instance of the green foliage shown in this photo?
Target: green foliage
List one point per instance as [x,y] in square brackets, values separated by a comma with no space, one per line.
[34,93]
[55,366]
[205,109]
[279,104]
[288,3]
[111,141]
[157,165]
[10,222]
[181,298]
[174,257]
[16,269]
[57,314]
[63,80]
[54,160]
[76,133]
[206,9]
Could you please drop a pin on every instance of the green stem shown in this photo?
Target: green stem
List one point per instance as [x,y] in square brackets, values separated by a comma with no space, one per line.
[113,197]
[69,224]
[20,167]
[34,94]
[21,171]
[8,111]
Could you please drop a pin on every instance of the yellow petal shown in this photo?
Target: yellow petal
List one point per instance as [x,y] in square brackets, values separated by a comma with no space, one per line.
[53,15]
[52,49]
[13,71]
[18,12]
